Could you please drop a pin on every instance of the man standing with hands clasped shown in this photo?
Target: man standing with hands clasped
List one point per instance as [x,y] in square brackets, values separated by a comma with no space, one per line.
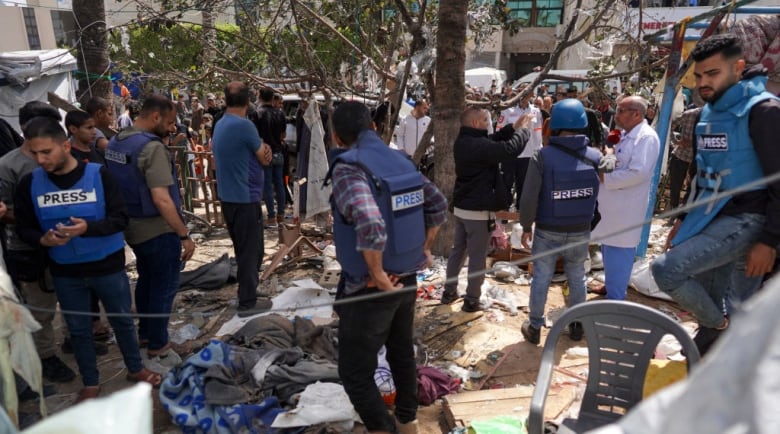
[386,216]
[724,248]
[238,155]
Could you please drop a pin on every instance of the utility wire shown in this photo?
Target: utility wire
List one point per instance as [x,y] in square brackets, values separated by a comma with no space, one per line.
[355,299]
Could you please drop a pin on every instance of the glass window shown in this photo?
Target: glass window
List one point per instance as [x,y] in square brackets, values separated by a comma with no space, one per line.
[31,24]
[537,13]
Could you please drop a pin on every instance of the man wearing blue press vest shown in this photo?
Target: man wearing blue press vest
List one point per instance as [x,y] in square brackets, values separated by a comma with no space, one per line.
[386,215]
[141,163]
[722,249]
[75,210]
[559,196]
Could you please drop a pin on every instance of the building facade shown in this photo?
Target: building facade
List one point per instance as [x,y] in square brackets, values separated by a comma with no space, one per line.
[36,24]
[542,24]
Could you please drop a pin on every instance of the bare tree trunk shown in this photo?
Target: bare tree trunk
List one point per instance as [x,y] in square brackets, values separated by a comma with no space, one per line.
[93,49]
[209,34]
[448,102]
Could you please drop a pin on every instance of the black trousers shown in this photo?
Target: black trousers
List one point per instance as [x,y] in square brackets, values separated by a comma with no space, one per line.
[364,327]
[678,169]
[514,175]
[245,226]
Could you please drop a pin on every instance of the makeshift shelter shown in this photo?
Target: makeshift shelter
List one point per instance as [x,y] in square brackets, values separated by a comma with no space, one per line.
[30,75]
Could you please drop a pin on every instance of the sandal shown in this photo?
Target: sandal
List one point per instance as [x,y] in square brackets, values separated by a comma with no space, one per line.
[89,392]
[146,376]
[160,352]
[598,290]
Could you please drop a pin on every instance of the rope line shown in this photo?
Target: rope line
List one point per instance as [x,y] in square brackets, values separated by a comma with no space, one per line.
[378,295]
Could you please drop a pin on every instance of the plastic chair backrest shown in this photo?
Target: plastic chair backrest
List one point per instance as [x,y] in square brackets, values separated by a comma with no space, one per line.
[622,337]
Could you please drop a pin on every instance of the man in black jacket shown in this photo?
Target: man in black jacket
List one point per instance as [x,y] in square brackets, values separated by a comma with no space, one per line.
[477,157]
[270,124]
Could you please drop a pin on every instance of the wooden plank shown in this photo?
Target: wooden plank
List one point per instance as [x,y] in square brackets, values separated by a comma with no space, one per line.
[60,103]
[493,369]
[489,395]
[460,409]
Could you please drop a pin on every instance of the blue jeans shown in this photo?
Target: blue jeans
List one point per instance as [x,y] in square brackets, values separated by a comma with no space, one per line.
[573,263]
[699,273]
[113,290]
[158,262]
[274,182]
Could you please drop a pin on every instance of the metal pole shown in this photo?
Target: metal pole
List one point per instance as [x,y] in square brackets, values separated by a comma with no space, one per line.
[664,120]
[674,73]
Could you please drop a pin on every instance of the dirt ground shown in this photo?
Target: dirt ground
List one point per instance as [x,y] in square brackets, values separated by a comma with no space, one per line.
[488,345]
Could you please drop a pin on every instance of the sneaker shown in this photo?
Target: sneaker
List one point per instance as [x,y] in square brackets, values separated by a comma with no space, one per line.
[471,306]
[101,349]
[575,331]
[55,370]
[448,297]
[260,306]
[596,260]
[28,394]
[705,337]
[530,333]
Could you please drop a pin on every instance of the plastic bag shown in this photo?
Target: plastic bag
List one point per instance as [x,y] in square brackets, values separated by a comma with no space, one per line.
[498,425]
[642,280]
[498,237]
[128,411]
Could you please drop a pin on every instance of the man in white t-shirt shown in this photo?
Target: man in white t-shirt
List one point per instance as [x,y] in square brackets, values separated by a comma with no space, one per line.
[412,127]
[515,169]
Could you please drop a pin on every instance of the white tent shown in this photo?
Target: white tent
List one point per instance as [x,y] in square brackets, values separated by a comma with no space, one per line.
[30,75]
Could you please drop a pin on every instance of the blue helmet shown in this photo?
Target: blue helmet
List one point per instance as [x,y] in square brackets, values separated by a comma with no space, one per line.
[568,114]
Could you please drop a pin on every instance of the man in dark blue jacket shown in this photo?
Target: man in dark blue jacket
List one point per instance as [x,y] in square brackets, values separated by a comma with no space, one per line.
[559,195]
[386,215]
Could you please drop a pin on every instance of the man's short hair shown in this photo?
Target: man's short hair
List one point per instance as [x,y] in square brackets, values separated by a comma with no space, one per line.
[266,94]
[349,120]
[96,104]
[44,127]
[469,115]
[726,44]
[637,103]
[76,118]
[572,89]
[236,94]
[33,109]
[419,101]
[156,103]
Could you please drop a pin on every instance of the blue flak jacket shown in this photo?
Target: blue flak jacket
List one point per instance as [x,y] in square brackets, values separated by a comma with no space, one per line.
[570,186]
[725,156]
[397,187]
[86,200]
[122,162]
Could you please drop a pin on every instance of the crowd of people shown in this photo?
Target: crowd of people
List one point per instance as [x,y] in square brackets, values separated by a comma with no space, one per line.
[575,168]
